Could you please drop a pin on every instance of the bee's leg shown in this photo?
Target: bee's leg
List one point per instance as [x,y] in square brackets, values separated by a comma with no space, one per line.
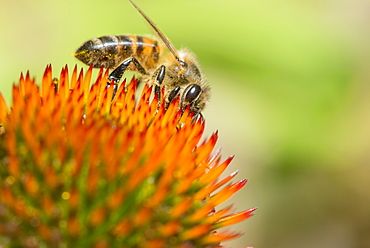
[160,72]
[196,116]
[172,95]
[117,73]
[115,86]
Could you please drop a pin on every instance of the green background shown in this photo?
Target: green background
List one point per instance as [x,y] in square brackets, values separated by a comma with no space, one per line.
[290,83]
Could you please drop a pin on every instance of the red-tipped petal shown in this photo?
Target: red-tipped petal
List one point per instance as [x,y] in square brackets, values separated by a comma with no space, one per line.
[227,192]
[234,218]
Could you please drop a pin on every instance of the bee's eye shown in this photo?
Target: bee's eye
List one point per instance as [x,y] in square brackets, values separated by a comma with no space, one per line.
[192,92]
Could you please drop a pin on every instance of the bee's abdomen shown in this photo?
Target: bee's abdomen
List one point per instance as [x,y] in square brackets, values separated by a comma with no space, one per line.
[110,51]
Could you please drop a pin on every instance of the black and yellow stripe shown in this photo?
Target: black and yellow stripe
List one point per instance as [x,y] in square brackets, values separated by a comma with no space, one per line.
[110,51]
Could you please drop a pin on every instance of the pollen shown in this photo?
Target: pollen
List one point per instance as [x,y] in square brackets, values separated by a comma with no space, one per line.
[81,168]
[65,195]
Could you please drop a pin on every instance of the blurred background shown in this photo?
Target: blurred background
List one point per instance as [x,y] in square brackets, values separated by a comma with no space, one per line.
[291,98]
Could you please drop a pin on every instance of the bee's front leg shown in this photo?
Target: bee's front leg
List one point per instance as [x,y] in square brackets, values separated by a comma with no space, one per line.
[159,77]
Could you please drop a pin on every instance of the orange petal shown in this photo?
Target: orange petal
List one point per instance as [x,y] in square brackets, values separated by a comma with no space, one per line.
[234,218]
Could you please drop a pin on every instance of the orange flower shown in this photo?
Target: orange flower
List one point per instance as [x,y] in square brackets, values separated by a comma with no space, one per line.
[79,169]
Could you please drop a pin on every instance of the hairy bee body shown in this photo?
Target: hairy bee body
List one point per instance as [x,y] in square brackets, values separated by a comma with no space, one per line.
[176,73]
[110,51]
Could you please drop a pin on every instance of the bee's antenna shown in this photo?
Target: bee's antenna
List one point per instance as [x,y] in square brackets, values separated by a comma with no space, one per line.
[160,34]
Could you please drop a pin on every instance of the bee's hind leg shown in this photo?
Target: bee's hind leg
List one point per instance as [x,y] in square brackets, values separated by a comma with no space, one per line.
[116,75]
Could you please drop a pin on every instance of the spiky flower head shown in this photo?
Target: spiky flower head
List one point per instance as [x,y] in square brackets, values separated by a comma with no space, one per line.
[79,169]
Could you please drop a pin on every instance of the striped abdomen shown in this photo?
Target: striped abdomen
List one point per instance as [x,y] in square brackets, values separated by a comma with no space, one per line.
[110,51]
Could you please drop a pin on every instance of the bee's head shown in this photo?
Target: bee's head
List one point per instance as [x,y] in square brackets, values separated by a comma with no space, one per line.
[196,93]
[194,96]
[192,93]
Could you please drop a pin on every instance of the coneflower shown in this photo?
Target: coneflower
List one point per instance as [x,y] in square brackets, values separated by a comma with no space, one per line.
[78,169]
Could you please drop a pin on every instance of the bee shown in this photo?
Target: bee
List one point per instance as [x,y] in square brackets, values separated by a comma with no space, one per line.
[177,73]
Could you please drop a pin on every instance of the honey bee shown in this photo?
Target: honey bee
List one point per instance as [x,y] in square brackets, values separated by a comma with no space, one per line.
[177,72]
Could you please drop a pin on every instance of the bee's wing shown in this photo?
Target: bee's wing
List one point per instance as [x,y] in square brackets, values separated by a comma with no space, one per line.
[159,33]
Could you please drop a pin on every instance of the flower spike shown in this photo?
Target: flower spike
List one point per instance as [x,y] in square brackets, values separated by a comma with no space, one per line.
[81,168]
